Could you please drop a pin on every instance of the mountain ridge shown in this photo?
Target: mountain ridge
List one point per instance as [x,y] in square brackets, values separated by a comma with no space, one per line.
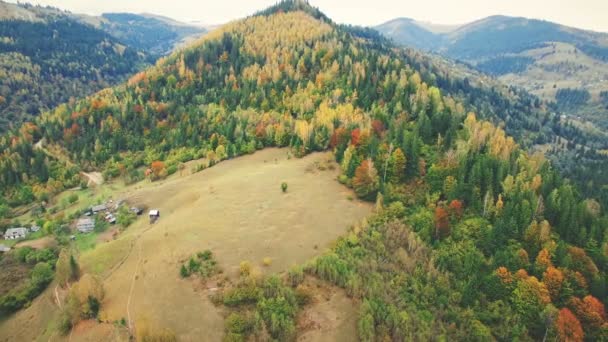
[537,55]
[471,236]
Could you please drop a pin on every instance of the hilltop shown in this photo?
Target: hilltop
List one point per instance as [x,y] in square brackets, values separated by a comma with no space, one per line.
[471,234]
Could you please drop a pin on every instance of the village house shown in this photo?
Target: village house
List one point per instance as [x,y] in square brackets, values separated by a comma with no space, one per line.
[34,228]
[110,218]
[99,208]
[15,233]
[85,225]
[154,215]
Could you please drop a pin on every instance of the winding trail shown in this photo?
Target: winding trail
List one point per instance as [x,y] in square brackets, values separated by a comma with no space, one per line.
[133,286]
[57,297]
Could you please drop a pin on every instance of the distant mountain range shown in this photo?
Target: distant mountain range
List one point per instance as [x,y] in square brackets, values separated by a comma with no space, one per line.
[556,62]
[48,56]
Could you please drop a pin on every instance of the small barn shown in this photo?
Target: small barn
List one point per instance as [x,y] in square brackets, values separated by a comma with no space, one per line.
[137,211]
[99,208]
[15,233]
[154,215]
[85,225]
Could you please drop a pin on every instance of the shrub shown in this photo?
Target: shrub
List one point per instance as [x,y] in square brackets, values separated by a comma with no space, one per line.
[284,186]
[239,323]
[183,272]
[125,217]
[295,276]
[267,261]
[73,198]
[245,268]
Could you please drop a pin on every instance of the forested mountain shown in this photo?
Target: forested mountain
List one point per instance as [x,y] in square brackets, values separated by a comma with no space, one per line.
[474,238]
[565,65]
[48,56]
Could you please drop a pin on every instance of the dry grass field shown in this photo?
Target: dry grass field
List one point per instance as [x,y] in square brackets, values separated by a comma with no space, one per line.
[238,211]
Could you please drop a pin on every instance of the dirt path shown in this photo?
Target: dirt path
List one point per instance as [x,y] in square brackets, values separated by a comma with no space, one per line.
[43,242]
[57,296]
[133,279]
[93,178]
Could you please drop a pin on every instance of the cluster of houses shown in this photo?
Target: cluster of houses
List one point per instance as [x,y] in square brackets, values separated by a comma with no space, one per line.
[85,224]
[107,212]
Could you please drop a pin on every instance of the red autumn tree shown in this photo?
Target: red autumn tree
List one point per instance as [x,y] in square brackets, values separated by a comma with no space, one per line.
[568,327]
[442,223]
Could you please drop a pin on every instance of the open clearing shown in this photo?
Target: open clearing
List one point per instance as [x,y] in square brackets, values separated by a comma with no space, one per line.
[238,211]
[331,316]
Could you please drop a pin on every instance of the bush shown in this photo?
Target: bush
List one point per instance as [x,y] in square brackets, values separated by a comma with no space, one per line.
[171,169]
[125,217]
[204,264]
[183,272]
[284,186]
[267,261]
[73,198]
[295,276]
[239,323]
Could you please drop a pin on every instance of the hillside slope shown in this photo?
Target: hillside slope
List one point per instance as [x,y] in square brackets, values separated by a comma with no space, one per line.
[542,57]
[472,235]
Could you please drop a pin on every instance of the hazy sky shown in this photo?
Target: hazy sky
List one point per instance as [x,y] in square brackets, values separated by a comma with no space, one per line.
[588,14]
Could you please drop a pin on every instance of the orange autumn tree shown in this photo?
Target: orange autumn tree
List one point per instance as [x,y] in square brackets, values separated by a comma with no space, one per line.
[590,311]
[366,180]
[158,170]
[442,223]
[553,279]
[456,208]
[568,327]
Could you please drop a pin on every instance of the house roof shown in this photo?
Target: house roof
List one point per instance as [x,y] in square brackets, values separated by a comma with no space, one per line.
[154,212]
[99,207]
[85,221]
[16,231]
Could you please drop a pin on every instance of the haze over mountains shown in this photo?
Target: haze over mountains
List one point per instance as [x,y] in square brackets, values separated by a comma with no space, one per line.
[557,63]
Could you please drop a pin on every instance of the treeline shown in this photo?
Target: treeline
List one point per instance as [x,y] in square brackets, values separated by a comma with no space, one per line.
[568,98]
[41,264]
